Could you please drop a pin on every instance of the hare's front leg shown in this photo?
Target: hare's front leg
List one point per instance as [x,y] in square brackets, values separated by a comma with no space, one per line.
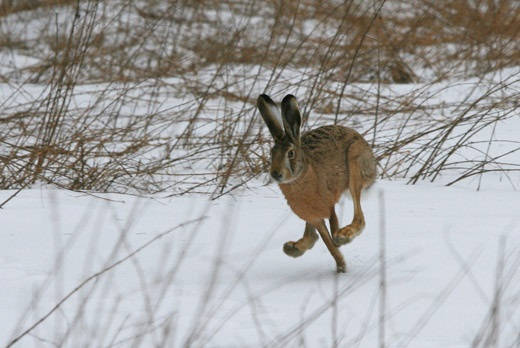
[298,248]
[333,222]
[336,254]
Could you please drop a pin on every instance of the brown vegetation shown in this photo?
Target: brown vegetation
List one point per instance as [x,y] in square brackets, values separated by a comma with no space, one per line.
[158,96]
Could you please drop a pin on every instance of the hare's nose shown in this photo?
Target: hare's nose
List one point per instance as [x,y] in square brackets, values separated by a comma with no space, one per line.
[276,175]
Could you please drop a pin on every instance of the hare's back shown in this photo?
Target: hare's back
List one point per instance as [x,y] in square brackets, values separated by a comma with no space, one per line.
[328,144]
[327,150]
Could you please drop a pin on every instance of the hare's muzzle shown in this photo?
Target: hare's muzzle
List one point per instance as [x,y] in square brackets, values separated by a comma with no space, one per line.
[276,175]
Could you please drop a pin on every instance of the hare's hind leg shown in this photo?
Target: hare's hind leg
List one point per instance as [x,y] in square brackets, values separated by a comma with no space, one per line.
[298,248]
[356,183]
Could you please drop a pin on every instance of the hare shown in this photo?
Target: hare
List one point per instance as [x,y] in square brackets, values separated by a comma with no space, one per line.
[313,171]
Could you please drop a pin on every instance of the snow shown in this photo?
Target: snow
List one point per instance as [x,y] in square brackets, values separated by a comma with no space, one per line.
[222,280]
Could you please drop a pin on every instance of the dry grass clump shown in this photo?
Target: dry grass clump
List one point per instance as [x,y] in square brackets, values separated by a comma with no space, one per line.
[151,96]
[8,7]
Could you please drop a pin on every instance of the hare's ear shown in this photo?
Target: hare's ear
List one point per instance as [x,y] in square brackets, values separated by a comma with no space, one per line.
[291,118]
[271,115]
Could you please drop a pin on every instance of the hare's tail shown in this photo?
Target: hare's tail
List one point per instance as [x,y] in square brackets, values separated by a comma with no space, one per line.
[368,168]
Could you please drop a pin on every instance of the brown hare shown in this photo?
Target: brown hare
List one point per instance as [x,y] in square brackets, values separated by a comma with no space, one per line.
[313,171]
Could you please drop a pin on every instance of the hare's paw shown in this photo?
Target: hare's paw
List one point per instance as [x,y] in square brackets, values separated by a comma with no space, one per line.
[292,250]
[346,235]
[341,268]
[340,239]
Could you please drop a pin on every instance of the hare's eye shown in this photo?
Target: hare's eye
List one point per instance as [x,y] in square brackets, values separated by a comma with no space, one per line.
[290,154]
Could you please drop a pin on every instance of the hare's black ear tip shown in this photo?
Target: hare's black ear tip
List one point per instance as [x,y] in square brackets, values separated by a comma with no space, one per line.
[264,98]
[289,98]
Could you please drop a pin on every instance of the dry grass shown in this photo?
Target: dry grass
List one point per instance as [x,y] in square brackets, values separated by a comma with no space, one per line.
[8,7]
[158,96]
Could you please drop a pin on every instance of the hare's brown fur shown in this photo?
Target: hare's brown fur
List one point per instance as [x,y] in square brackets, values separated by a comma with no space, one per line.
[326,150]
[314,170]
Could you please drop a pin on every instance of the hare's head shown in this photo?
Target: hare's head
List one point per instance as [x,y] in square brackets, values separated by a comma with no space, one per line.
[287,162]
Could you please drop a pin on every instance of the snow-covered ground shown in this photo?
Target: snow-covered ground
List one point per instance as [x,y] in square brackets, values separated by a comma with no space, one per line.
[216,276]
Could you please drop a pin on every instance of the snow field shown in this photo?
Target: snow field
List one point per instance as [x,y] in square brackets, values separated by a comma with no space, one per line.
[222,280]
